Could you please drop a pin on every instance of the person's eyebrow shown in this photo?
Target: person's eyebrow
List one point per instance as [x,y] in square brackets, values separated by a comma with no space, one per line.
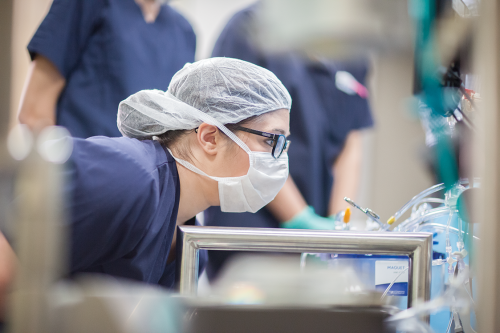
[279,130]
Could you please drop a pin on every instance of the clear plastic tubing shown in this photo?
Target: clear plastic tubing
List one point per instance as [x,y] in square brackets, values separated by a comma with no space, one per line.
[417,198]
[423,194]
[440,226]
[431,214]
[449,249]
[426,200]
[460,242]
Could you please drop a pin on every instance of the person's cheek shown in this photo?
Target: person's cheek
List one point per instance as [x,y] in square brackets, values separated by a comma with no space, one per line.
[259,145]
[244,165]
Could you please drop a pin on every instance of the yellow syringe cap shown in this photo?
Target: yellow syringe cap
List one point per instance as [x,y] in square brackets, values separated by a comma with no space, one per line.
[347,215]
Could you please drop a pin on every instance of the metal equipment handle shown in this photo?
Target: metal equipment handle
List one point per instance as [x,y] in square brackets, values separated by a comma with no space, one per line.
[417,246]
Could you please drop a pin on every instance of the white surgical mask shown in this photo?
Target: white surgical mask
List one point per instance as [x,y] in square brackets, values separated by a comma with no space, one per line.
[249,193]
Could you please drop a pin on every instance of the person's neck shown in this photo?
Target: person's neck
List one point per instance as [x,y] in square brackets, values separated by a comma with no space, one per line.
[197,194]
[150,9]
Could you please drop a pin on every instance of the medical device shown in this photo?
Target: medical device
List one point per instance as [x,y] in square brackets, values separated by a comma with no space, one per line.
[436,213]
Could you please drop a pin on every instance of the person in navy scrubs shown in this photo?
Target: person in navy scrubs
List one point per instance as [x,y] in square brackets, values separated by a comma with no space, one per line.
[183,151]
[217,136]
[88,55]
[326,124]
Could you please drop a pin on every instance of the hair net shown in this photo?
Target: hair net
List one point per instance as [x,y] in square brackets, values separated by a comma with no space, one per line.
[225,89]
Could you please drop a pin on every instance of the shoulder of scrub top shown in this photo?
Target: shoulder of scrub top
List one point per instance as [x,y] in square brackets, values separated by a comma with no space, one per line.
[65,31]
[114,195]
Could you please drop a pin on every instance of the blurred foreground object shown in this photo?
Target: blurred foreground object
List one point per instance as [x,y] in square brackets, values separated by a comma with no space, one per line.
[271,294]
[104,304]
[6,55]
[487,163]
[279,281]
[37,230]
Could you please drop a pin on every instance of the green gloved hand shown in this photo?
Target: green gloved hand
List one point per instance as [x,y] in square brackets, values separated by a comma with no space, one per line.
[308,219]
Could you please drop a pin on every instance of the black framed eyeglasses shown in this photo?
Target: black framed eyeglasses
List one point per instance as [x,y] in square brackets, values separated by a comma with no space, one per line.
[280,143]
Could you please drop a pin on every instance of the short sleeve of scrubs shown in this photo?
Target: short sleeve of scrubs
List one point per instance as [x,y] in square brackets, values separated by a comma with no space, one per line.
[124,201]
[65,31]
[113,198]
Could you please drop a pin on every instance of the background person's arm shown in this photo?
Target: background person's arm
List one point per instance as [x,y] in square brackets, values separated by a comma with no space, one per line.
[288,203]
[41,92]
[346,171]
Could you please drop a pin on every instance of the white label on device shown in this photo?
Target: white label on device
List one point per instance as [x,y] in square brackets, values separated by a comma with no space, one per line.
[386,272]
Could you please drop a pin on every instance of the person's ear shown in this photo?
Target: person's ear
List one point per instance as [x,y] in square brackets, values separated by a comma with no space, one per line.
[209,138]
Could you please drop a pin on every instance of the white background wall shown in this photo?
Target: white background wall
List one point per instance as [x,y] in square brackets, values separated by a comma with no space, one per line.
[27,16]
[208,18]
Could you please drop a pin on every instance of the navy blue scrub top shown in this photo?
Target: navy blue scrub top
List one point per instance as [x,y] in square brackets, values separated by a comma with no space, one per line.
[320,120]
[124,197]
[106,52]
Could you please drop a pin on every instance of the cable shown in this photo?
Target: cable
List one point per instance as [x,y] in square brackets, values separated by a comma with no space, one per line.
[417,205]
[468,293]
[449,324]
[392,283]
[465,119]
[303,258]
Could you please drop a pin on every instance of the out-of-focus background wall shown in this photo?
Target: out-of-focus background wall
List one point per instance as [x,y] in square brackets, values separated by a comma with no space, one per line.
[208,18]
[393,172]
[396,171]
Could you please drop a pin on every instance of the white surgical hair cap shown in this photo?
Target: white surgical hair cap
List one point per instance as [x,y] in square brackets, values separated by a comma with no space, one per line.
[225,89]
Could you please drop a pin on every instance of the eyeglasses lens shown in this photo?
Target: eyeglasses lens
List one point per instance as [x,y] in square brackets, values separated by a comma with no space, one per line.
[280,146]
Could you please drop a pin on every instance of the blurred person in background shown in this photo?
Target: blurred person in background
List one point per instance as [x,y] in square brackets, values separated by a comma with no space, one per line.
[88,55]
[326,140]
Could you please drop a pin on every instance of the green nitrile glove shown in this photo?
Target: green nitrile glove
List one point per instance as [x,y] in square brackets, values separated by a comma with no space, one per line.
[308,219]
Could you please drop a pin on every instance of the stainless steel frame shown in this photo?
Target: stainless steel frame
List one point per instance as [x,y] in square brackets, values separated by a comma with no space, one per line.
[417,246]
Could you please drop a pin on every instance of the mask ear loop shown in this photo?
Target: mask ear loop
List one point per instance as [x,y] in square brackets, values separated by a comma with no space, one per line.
[191,167]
